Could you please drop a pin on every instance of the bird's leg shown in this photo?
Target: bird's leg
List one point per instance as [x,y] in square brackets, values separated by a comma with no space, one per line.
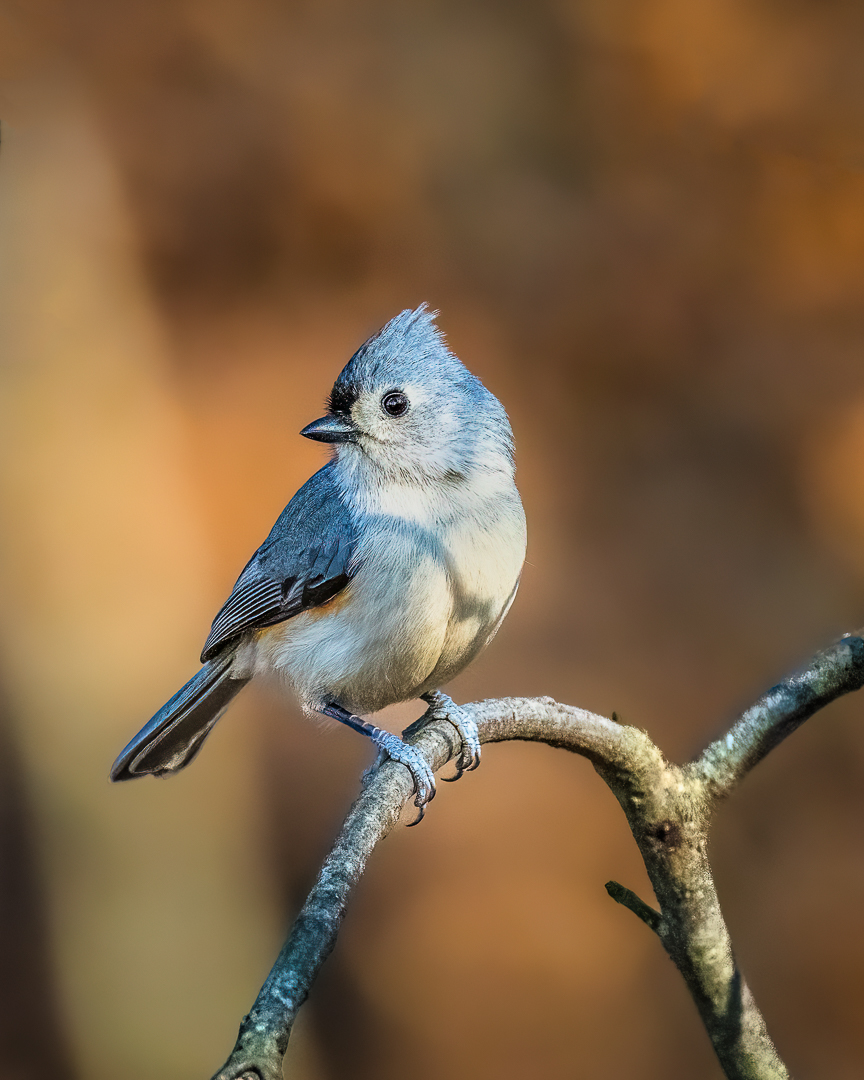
[442,707]
[393,747]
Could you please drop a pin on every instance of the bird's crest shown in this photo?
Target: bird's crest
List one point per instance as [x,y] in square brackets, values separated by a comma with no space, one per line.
[409,344]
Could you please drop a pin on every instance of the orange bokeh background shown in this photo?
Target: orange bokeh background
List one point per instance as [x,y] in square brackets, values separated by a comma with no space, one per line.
[643,224]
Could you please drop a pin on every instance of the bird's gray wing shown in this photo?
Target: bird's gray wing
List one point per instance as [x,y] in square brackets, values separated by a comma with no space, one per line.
[304,562]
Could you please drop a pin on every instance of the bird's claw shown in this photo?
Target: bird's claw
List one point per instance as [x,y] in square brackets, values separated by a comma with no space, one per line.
[442,707]
[421,773]
[391,746]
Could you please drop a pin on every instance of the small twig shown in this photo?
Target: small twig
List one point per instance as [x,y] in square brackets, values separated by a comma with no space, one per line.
[627,898]
[668,808]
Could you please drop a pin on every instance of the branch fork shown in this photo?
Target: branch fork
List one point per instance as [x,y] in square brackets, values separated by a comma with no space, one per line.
[669,809]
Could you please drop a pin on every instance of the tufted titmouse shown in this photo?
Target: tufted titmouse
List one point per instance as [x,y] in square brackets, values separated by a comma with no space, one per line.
[386,574]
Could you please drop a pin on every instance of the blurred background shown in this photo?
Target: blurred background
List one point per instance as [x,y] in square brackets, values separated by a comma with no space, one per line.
[643,224]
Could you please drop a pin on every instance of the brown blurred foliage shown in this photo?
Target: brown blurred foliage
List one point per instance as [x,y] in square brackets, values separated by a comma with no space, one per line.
[643,222]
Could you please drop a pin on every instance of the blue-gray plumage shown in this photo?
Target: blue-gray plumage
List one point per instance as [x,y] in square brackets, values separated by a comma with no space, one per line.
[388,571]
[303,563]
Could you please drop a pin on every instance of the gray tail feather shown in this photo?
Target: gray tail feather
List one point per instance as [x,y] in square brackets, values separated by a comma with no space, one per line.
[175,734]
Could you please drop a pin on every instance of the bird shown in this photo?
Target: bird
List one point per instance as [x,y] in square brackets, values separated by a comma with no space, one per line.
[385,575]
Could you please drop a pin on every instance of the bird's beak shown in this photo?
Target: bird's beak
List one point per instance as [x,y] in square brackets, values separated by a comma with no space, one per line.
[332,429]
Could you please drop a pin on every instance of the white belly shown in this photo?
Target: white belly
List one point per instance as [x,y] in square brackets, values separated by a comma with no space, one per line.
[421,606]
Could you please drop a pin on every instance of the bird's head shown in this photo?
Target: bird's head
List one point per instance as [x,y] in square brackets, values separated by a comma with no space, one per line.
[406,405]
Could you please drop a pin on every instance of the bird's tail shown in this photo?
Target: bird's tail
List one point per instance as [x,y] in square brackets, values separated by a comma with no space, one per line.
[175,734]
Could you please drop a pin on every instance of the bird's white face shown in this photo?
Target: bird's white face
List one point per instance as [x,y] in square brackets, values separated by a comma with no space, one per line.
[423,450]
[412,429]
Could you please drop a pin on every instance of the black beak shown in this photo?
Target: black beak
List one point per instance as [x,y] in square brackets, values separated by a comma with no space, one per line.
[332,429]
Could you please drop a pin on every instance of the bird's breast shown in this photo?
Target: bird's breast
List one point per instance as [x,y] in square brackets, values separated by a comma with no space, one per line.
[423,601]
[485,553]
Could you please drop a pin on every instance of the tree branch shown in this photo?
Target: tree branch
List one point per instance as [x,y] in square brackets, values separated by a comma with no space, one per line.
[835,671]
[668,808]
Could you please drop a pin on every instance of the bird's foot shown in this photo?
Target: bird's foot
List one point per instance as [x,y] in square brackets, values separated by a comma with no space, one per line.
[442,707]
[391,746]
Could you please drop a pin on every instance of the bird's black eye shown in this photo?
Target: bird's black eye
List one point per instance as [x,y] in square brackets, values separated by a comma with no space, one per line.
[395,403]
